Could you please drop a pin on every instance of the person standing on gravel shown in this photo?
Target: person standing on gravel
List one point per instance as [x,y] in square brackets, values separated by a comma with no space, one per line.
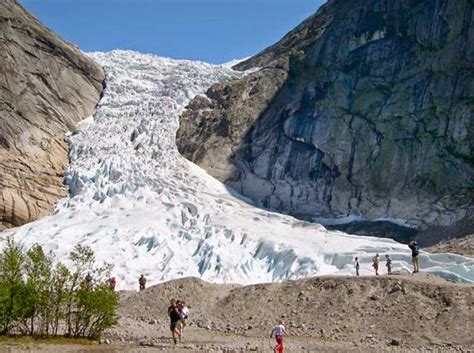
[175,320]
[375,264]
[279,330]
[142,282]
[184,313]
[415,251]
[388,263]
[357,266]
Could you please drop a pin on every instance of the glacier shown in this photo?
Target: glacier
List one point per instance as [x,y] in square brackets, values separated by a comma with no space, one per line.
[144,208]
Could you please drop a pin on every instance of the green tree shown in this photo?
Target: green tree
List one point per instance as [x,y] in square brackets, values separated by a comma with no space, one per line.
[12,288]
[36,297]
[95,310]
[83,317]
[82,258]
[59,296]
[38,281]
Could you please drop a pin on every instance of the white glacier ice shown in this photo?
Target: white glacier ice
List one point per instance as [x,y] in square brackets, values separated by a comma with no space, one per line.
[143,207]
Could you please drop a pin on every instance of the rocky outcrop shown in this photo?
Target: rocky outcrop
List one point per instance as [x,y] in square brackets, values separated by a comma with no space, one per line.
[46,86]
[463,246]
[370,114]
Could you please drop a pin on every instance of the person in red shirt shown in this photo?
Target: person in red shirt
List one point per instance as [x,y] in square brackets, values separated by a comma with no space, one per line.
[112,283]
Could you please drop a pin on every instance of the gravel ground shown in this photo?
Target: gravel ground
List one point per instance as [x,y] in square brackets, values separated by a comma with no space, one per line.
[397,313]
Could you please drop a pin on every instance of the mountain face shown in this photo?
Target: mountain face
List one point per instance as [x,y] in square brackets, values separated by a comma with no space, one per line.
[46,86]
[364,109]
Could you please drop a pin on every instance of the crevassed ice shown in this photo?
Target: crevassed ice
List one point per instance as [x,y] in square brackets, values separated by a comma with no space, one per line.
[146,209]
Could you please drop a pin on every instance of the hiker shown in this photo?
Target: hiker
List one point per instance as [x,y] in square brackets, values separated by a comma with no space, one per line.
[184,313]
[88,282]
[142,282]
[388,263]
[279,331]
[357,266]
[375,264]
[112,283]
[175,320]
[415,251]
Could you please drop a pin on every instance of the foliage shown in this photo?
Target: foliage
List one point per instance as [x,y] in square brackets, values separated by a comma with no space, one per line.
[37,297]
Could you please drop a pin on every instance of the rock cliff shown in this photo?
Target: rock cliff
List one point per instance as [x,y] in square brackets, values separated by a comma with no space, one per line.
[364,109]
[46,86]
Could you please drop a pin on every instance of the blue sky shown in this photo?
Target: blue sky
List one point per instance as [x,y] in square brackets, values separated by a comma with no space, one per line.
[210,30]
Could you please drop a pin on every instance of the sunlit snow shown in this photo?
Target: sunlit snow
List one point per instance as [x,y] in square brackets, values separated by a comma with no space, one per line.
[140,205]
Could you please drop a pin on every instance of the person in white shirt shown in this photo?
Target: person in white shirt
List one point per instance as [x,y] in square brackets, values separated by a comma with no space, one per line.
[375,263]
[279,330]
[184,313]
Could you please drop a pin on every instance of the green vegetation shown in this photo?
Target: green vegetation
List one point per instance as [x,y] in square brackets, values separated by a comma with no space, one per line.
[56,340]
[39,298]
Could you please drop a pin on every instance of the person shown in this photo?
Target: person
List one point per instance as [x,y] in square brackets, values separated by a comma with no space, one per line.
[415,251]
[142,282]
[112,283]
[88,281]
[279,331]
[388,264]
[375,264]
[357,266]
[175,319]
[184,313]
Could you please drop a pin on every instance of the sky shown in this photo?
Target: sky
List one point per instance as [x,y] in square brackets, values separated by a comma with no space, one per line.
[214,31]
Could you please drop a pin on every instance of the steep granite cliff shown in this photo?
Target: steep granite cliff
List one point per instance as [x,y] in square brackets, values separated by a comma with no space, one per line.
[46,86]
[364,109]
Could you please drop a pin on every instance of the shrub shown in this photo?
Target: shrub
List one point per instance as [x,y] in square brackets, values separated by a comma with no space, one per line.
[37,297]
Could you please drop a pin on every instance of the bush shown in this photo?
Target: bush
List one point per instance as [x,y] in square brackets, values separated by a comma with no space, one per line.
[95,311]
[39,298]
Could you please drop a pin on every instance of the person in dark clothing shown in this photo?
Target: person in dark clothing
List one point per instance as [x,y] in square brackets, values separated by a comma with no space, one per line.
[357,266]
[142,282]
[88,282]
[415,251]
[175,319]
[388,264]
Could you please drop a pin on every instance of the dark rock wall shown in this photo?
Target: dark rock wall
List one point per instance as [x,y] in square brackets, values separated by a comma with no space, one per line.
[373,115]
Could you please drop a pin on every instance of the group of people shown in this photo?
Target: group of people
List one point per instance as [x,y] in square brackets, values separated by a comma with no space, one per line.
[178,313]
[112,282]
[415,251]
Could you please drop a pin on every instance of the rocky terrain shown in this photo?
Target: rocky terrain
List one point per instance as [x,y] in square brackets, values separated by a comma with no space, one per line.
[397,313]
[364,109]
[46,86]
[401,311]
[463,246]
